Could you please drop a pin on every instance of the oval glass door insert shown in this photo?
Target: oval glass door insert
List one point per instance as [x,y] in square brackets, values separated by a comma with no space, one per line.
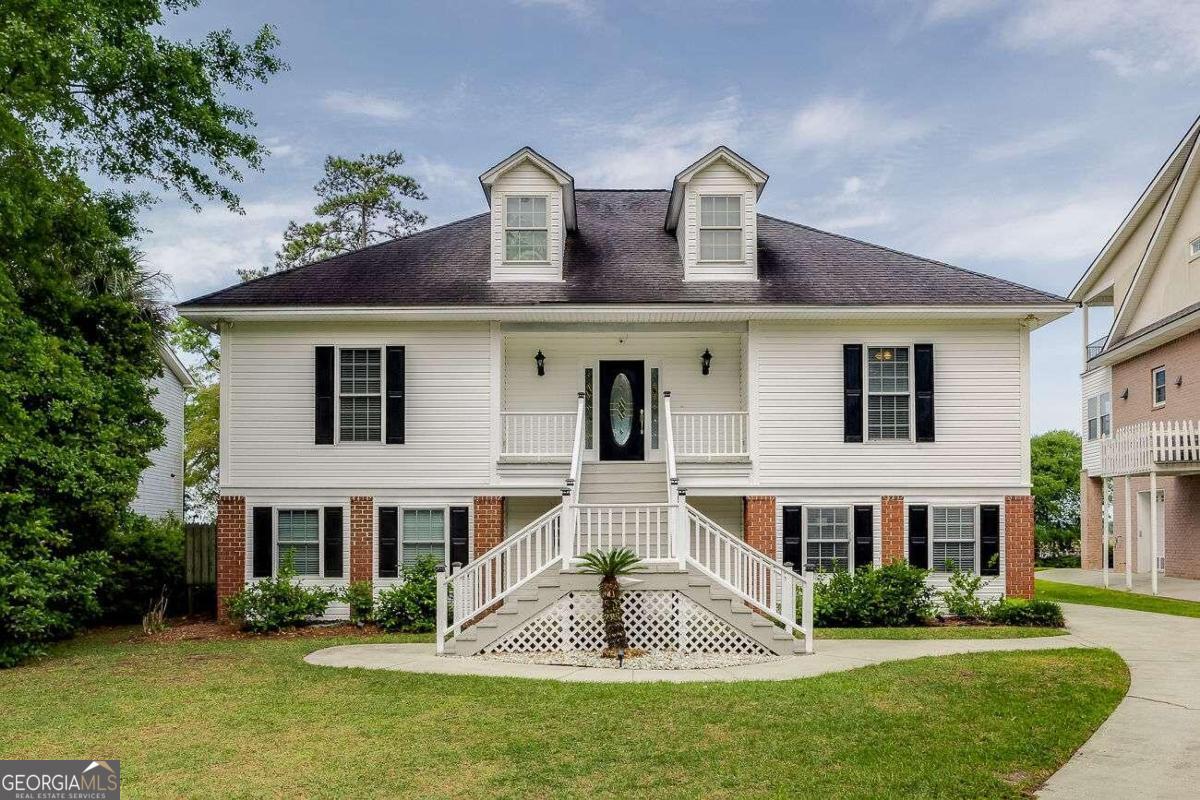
[620,409]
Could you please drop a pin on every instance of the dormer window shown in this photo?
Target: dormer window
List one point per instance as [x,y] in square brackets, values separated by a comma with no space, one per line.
[526,232]
[721,238]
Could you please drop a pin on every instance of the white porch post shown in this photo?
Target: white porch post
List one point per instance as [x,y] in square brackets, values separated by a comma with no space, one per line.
[567,528]
[806,613]
[442,607]
[1084,307]
[682,540]
[1128,536]
[1106,510]
[1153,532]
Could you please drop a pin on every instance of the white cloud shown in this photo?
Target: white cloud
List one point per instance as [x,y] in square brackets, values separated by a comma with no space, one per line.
[586,10]
[384,109]
[946,10]
[1029,144]
[850,123]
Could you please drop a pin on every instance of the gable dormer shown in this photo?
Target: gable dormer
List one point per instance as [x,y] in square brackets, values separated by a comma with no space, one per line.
[713,213]
[532,204]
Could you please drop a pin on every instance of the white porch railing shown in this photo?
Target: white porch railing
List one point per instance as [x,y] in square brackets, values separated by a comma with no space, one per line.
[1139,448]
[644,528]
[710,435]
[537,434]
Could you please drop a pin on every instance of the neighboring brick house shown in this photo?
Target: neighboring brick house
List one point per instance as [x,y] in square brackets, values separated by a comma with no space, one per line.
[1141,382]
[666,368]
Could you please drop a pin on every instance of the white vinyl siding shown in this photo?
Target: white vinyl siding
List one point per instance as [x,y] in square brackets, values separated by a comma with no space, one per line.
[734,251]
[360,398]
[953,539]
[423,533]
[160,486]
[827,537]
[1095,383]
[888,393]
[298,533]
[526,231]
[537,237]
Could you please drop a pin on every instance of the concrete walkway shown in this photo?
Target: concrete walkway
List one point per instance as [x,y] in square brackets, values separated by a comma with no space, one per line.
[1178,588]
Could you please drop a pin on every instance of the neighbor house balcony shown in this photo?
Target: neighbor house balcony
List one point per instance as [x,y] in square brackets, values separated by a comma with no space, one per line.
[1162,446]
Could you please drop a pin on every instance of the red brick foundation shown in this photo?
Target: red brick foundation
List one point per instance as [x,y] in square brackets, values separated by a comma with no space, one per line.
[362,536]
[758,524]
[489,524]
[1091,521]
[231,549]
[891,528]
[1018,545]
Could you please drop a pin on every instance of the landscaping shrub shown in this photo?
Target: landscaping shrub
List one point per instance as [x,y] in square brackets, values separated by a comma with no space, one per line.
[280,602]
[360,596]
[890,596]
[1014,611]
[146,565]
[962,597]
[410,606]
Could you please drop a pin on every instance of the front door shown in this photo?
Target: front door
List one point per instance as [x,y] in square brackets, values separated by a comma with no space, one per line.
[622,410]
[1143,531]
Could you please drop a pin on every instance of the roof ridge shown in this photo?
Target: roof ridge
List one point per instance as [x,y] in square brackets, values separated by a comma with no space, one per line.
[610,189]
[927,260]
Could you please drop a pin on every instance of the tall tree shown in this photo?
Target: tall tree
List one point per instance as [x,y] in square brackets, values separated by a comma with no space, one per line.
[91,86]
[1056,459]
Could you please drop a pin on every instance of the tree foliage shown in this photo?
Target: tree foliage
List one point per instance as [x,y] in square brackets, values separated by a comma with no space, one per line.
[1056,459]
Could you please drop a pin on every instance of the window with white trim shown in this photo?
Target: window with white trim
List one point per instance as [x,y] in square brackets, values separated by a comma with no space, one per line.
[721,237]
[953,539]
[299,534]
[526,231]
[1099,421]
[888,393]
[1159,382]
[1194,248]
[827,537]
[423,533]
[360,401]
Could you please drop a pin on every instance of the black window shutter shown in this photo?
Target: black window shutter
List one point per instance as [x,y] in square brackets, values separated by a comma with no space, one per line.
[459,537]
[864,536]
[263,519]
[323,388]
[333,541]
[923,369]
[395,395]
[389,541]
[918,536]
[793,537]
[852,395]
[989,540]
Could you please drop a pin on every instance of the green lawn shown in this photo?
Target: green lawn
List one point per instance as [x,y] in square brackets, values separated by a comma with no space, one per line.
[250,719]
[934,632]
[1113,598]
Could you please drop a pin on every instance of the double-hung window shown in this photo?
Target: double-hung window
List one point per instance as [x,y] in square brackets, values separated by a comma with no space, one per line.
[360,401]
[721,236]
[299,537]
[1159,378]
[1099,411]
[888,393]
[953,539]
[424,534]
[827,535]
[526,232]
[1194,248]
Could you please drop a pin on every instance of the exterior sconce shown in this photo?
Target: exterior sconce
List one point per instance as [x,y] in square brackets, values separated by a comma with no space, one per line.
[1178,383]
[1125,394]
[541,362]
[705,362]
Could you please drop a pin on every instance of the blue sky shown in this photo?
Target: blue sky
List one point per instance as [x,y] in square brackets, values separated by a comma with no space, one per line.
[1006,136]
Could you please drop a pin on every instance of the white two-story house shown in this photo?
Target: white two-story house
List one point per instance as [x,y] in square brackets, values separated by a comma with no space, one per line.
[571,364]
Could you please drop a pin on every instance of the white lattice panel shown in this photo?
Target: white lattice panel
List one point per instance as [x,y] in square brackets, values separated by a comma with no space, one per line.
[654,620]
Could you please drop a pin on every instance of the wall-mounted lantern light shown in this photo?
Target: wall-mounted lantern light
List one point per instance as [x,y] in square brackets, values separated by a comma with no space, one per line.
[1179,381]
[705,362]
[541,362]
[1125,395]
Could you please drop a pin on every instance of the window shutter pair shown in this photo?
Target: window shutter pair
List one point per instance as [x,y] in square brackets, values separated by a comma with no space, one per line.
[853,408]
[862,535]
[393,393]
[263,541]
[389,539]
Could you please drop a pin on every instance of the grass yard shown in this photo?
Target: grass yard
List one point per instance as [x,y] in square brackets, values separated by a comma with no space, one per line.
[1113,598]
[248,718]
[941,632]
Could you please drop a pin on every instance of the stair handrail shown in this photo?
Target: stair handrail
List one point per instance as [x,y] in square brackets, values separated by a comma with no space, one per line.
[577,450]
[672,473]
[781,578]
[497,573]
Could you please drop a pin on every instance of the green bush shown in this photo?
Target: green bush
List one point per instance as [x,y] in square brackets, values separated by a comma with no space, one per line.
[1039,613]
[147,564]
[44,597]
[891,596]
[412,605]
[962,597]
[270,604]
[360,596]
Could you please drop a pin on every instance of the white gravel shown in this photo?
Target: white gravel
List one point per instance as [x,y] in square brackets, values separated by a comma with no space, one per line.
[660,659]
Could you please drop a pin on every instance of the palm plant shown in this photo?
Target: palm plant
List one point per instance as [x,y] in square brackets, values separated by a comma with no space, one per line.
[610,565]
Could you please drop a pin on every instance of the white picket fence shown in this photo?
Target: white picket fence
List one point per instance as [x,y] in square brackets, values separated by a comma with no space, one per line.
[1137,448]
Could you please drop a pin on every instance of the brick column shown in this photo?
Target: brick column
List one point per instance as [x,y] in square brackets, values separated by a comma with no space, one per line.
[489,524]
[1018,545]
[891,528]
[1091,521]
[231,549]
[362,537]
[758,524]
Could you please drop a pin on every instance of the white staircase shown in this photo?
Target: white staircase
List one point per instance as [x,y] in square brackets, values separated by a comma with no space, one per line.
[634,505]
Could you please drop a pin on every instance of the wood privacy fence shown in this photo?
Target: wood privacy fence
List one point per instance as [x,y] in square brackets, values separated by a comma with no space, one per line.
[200,566]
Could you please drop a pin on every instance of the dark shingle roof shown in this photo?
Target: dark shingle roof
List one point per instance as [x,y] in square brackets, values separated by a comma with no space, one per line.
[621,254]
